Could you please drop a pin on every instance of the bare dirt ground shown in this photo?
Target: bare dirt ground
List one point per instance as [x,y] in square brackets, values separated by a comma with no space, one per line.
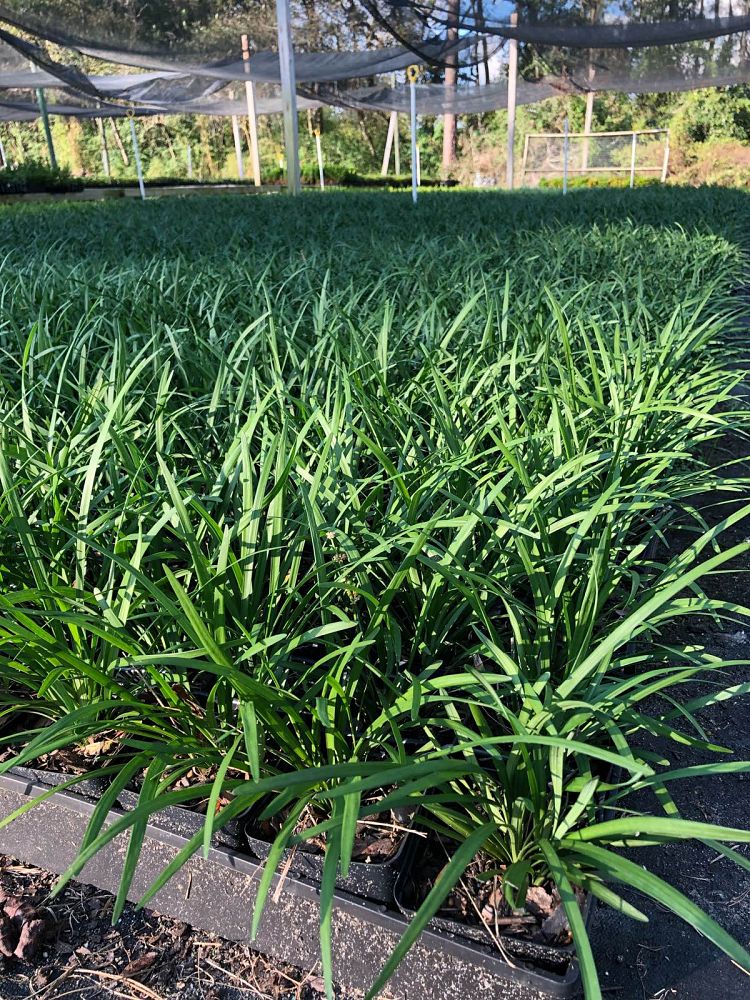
[145,957]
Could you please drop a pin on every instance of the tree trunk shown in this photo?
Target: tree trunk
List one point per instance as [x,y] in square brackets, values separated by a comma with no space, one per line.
[75,131]
[104,148]
[366,135]
[451,77]
[118,140]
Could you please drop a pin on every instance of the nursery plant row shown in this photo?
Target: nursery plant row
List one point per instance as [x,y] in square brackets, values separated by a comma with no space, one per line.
[343,541]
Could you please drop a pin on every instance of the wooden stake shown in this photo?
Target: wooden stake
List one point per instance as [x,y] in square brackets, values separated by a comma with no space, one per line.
[512,88]
[633,149]
[587,124]
[665,163]
[319,151]
[392,125]
[189,160]
[251,115]
[525,160]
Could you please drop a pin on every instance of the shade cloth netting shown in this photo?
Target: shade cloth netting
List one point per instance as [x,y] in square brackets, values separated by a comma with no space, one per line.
[22,108]
[570,23]
[191,48]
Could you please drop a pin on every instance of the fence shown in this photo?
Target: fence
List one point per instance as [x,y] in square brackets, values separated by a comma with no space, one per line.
[570,154]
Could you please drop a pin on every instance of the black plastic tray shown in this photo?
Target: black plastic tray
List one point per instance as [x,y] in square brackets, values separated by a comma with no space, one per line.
[186,822]
[217,894]
[374,881]
[90,789]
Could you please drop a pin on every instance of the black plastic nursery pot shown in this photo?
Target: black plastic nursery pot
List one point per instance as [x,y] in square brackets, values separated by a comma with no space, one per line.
[217,894]
[550,957]
[375,881]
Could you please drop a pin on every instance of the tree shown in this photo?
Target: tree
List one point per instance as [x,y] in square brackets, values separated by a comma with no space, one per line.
[451,78]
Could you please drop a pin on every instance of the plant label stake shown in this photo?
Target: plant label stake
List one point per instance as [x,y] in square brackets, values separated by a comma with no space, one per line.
[412,73]
[252,118]
[566,154]
[137,155]
[633,148]
[319,151]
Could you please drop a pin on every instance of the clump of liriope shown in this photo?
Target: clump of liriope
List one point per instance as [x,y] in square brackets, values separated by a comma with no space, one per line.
[332,523]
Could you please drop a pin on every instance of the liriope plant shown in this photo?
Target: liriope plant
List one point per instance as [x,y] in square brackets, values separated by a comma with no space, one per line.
[318,528]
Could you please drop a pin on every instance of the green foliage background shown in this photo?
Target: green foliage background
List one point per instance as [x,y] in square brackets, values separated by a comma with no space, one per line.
[710,137]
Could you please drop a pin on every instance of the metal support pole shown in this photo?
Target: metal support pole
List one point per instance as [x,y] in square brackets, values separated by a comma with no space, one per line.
[42,102]
[251,115]
[392,125]
[419,168]
[189,160]
[3,157]
[566,154]
[512,86]
[665,164]
[237,146]
[137,155]
[319,151]
[412,73]
[633,148]
[288,96]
